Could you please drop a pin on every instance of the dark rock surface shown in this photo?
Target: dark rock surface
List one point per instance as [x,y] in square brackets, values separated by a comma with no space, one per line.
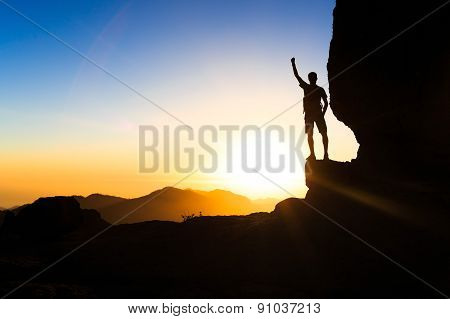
[294,252]
[397,99]
[50,218]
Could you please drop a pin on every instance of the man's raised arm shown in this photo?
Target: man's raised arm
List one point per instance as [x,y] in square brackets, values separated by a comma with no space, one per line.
[300,80]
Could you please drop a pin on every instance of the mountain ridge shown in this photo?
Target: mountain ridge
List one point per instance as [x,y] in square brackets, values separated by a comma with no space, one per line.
[171,203]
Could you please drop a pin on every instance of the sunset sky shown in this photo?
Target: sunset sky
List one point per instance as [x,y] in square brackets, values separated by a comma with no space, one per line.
[69,128]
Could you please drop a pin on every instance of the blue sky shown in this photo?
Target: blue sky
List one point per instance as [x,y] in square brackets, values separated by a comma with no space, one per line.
[207,62]
[161,48]
[145,40]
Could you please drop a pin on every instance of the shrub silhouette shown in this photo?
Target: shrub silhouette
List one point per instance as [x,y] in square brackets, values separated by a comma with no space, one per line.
[186,218]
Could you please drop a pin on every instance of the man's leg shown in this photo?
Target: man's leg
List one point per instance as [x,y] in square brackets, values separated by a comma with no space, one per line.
[322,126]
[325,145]
[309,132]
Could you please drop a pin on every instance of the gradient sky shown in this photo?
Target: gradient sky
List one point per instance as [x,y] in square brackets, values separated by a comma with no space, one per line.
[68,128]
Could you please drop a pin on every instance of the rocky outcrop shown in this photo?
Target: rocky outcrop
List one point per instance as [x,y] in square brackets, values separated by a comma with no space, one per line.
[389,74]
[50,218]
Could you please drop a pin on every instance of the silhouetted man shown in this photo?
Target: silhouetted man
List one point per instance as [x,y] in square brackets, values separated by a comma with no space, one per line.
[312,107]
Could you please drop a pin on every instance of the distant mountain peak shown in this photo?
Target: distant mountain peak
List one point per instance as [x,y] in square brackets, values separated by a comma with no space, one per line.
[170,203]
[98,195]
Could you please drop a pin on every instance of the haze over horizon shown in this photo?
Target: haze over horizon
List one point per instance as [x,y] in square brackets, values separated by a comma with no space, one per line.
[69,128]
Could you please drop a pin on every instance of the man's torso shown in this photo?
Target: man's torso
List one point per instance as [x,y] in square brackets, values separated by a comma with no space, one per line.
[312,99]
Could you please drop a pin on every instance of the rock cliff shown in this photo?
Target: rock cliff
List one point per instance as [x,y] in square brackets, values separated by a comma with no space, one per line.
[389,75]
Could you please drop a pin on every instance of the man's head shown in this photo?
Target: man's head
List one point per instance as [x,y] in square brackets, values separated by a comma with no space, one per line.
[312,77]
